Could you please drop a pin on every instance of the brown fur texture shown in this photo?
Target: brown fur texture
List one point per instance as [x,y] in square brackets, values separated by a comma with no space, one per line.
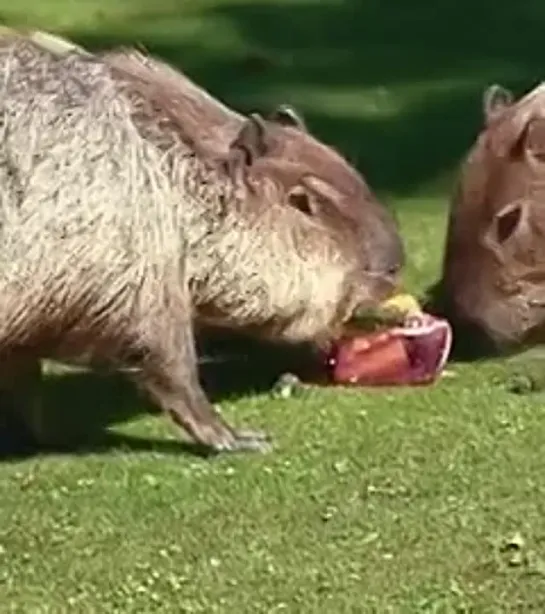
[494,263]
[121,226]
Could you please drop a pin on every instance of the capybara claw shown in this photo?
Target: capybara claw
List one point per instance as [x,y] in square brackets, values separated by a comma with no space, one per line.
[243,441]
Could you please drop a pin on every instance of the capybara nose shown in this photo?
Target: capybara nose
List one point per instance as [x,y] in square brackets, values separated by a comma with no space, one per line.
[386,255]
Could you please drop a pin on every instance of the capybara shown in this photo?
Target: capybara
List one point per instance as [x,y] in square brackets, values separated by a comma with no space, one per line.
[122,225]
[494,263]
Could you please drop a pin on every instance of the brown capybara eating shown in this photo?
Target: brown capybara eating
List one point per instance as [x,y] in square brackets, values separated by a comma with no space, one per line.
[127,215]
[494,263]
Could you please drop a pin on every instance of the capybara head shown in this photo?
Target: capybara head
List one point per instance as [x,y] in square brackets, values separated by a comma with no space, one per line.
[375,228]
[312,243]
[494,263]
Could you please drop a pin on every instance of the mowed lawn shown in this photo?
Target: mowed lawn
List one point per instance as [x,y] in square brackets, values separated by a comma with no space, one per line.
[401,501]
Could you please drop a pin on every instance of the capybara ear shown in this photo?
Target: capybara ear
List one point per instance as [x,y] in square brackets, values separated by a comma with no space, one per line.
[534,137]
[252,140]
[288,116]
[496,99]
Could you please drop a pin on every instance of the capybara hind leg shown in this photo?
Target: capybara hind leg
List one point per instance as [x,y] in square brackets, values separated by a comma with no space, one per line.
[20,395]
[169,375]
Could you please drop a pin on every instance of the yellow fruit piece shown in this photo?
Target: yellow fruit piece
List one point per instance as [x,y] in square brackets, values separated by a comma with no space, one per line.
[405,304]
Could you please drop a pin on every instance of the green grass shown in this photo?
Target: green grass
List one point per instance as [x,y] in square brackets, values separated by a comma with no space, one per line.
[395,501]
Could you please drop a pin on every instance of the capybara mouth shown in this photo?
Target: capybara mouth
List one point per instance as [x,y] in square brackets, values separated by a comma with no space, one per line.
[414,352]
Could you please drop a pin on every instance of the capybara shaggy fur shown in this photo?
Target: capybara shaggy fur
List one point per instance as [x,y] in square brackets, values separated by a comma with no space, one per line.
[128,213]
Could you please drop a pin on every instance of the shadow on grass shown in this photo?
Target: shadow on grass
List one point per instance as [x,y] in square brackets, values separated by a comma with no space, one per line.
[84,405]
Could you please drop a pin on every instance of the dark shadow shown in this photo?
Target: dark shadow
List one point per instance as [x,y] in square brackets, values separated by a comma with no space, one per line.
[17,444]
[86,404]
[235,365]
[435,56]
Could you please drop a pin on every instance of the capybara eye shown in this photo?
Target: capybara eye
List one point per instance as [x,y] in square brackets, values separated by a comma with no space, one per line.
[300,201]
[394,269]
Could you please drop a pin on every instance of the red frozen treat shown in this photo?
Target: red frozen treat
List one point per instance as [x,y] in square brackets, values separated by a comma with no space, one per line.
[415,353]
